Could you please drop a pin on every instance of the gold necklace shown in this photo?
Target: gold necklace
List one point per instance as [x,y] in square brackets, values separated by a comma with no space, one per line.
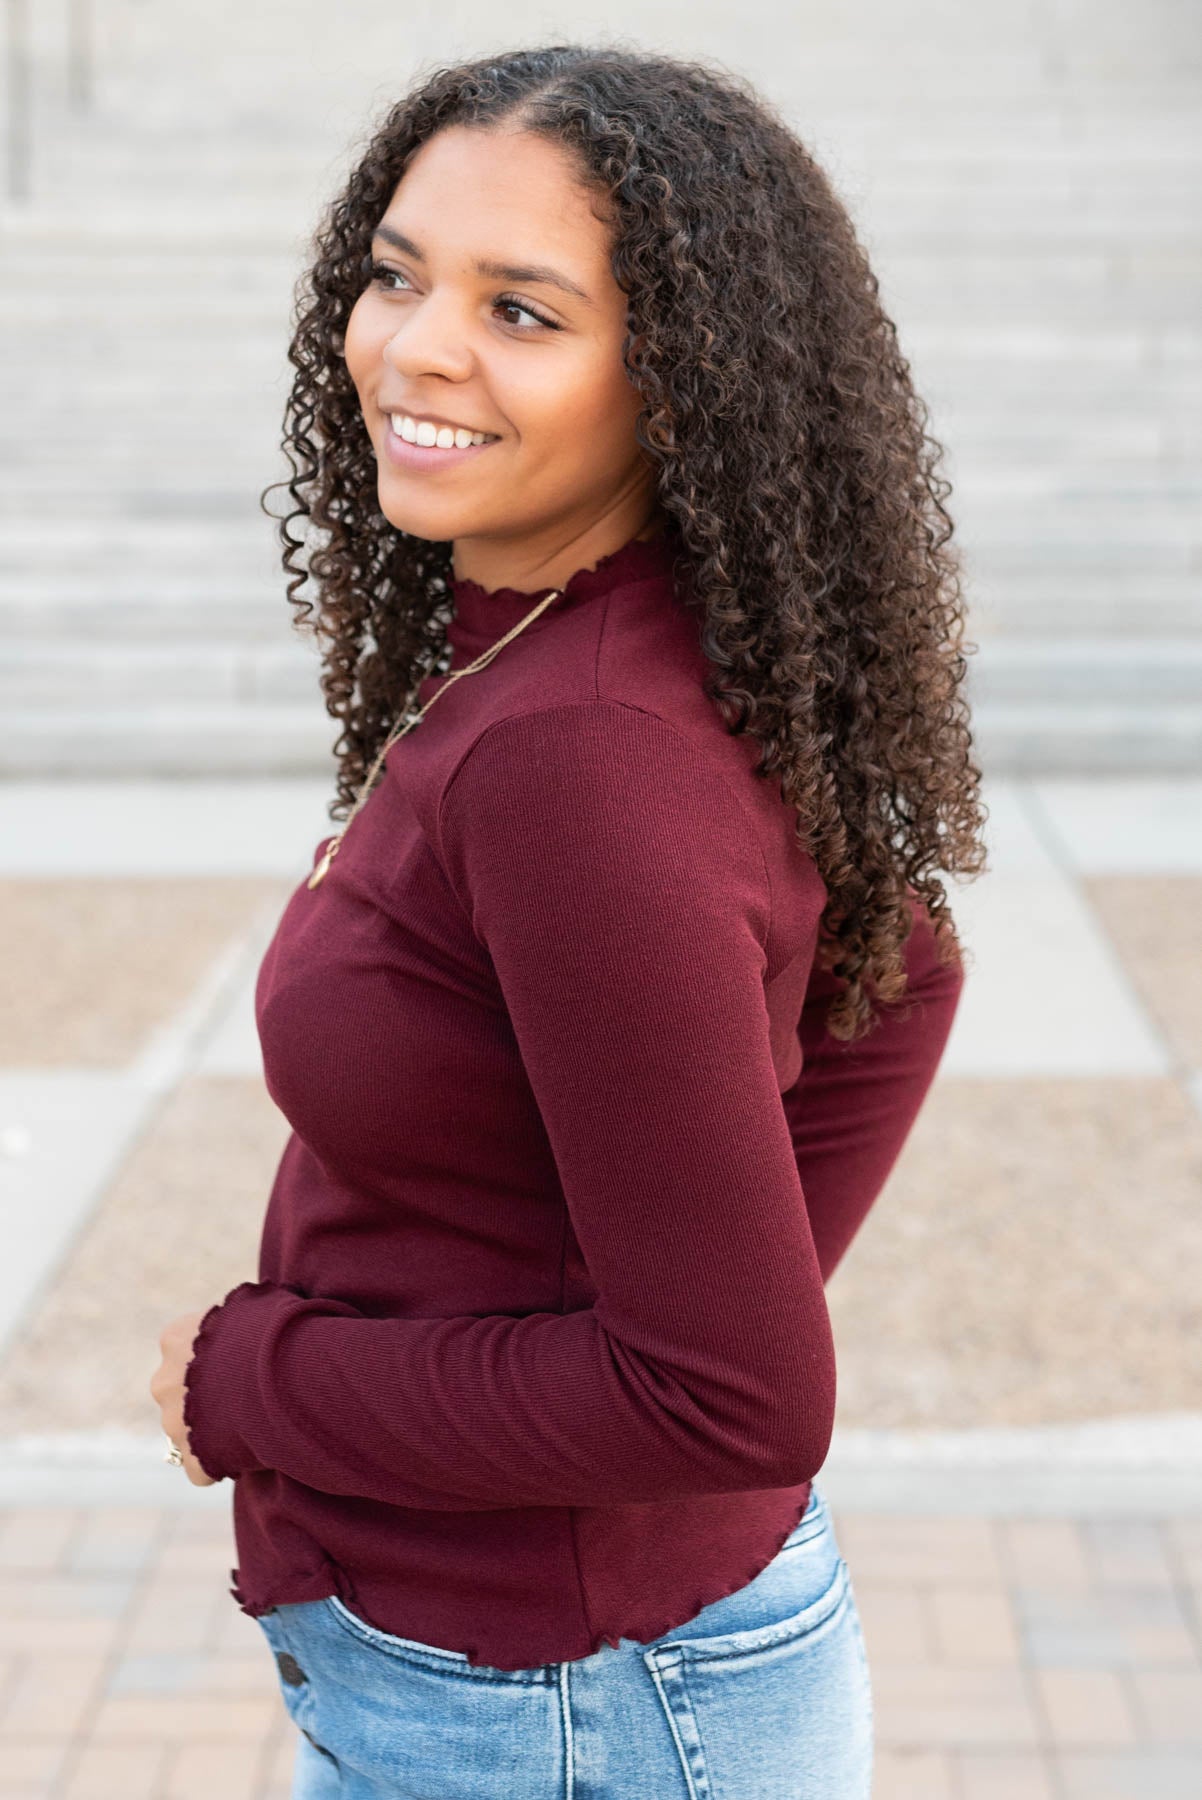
[468,669]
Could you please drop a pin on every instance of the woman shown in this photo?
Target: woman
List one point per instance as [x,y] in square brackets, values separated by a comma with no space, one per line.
[597,1043]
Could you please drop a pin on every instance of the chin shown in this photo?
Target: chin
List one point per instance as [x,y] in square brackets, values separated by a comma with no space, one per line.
[418,521]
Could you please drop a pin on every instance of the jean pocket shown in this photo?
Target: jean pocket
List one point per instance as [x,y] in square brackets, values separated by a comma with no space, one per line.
[403,1647]
[813,1619]
[400,1716]
[778,1710]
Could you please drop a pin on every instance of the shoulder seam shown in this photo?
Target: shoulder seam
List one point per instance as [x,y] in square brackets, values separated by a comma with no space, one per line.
[625,706]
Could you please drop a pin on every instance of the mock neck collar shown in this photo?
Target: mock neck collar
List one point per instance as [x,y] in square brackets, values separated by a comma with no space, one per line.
[486,613]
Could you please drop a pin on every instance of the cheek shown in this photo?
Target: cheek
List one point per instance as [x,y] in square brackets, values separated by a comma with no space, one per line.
[363,340]
[574,409]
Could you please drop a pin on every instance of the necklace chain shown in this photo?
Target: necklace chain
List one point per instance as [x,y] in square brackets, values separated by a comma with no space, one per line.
[398,731]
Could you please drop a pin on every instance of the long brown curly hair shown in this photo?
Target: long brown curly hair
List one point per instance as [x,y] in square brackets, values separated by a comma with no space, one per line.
[790,456]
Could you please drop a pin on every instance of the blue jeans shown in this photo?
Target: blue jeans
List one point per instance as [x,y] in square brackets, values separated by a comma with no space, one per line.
[763,1695]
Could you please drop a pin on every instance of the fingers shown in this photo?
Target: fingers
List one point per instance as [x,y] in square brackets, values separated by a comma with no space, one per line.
[167,1389]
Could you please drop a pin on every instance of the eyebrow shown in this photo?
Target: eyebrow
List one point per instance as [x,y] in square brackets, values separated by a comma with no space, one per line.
[498,271]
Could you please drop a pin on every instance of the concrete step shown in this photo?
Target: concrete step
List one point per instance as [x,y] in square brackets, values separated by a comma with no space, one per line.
[67,676]
[177,738]
[210,738]
[163,605]
[125,546]
[1039,601]
[1072,672]
[156,609]
[1060,705]
[1088,738]
[1087,672]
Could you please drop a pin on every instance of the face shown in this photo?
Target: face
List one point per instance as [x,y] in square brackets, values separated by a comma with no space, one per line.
[527,350]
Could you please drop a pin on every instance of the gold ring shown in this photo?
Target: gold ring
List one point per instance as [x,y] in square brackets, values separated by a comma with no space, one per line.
[173,1454]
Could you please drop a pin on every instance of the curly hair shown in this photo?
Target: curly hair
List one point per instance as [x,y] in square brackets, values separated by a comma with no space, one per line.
[790,456]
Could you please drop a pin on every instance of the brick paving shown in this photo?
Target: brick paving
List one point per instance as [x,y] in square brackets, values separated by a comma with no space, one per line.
[1012,1658]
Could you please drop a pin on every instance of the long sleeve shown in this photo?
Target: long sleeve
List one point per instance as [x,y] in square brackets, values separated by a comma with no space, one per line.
[853,1105]
[618,884]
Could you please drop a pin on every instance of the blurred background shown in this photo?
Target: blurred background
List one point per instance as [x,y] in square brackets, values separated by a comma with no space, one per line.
[1017,1468]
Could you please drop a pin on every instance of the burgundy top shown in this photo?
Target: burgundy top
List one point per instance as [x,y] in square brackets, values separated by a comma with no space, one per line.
[539,1354]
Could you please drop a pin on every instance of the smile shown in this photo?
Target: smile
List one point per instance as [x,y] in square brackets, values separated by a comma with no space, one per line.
[431,451]
[429,435]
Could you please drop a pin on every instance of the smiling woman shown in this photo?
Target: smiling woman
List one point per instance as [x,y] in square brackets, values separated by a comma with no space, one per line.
[590,1037]
[434,338]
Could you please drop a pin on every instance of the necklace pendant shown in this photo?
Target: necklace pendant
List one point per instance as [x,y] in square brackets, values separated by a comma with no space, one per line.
[324,864]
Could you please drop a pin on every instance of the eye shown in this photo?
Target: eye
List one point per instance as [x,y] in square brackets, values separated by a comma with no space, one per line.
[382,275]
[511,303]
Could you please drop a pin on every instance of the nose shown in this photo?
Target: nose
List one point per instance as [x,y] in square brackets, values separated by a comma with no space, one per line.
[431,339]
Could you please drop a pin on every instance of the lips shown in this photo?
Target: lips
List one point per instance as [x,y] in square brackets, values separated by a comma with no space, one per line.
[396,413]
[428,458]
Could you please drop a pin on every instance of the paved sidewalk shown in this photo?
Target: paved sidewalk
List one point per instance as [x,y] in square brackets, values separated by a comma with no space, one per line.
[1016,1475]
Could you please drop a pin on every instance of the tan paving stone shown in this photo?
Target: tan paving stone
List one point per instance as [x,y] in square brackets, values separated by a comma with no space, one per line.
[1086,1708]
[117,1772]
[1168,1704]
[1129,1775]
[205,1560]
[1132,1551]
[37,1596]
[939,1707]
[235,1633]
[173,1719]
[48,1632]
[198,1525]
[29,1766]
[913,1775]
[115,1538]
[175,1615]
[895,1620]
[1003,1775]
[50,1693]
[278,1777]
[38,1537]
[1184,1535]
[1104,1627]
[925,1548]
[191,1672]
[1155,925]
[1044,1550]
[105,960]
[178,1228]
[972,1294]
[199,1771]
[974,1625]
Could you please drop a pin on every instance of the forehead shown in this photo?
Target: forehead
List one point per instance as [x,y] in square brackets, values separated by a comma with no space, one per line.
[470,192]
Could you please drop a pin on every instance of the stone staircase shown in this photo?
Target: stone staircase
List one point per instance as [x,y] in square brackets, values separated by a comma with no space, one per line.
[1029,195]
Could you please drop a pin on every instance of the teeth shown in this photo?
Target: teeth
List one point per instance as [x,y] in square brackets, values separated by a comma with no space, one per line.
[446,437]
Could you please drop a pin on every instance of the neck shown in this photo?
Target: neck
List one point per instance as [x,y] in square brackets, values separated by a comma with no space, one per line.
[549,561]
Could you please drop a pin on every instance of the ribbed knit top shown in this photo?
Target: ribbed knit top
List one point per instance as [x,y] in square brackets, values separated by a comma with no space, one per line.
[539,1355]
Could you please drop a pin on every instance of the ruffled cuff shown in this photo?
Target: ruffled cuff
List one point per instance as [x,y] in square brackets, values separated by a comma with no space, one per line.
[218,1377]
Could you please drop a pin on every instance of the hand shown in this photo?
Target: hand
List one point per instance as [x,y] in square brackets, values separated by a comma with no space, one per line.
[167,1386]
